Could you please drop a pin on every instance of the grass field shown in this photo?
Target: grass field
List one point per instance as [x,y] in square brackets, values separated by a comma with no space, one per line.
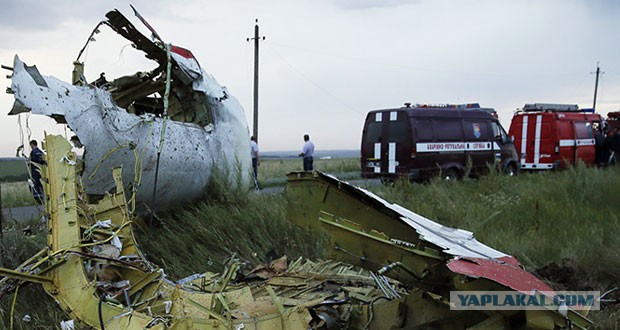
[15,194]
[272,172]
[565,226]
[14,190]
[13,169]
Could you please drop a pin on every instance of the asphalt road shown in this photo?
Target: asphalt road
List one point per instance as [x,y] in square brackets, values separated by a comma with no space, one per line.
[23,214]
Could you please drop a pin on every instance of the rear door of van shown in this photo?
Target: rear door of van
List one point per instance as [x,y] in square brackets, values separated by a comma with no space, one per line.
[386,145]
[537,142]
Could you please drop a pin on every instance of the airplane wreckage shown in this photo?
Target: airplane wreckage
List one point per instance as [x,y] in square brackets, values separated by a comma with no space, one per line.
[387,268]
[171,127]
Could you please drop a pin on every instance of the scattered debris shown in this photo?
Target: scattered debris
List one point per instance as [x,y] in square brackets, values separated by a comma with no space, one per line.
[105,284]
[431,259]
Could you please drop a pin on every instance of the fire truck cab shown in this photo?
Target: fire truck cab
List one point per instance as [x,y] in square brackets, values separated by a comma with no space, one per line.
[552,136]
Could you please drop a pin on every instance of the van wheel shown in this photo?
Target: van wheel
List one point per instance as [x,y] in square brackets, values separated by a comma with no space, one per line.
[511,170]
[450,174]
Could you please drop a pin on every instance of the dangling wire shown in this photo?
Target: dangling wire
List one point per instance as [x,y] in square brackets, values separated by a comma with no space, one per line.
[28,131]
[90,38]
[29,164]
[163,128]
[21,131]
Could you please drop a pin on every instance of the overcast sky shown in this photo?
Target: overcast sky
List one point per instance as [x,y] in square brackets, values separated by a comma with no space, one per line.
[326,63]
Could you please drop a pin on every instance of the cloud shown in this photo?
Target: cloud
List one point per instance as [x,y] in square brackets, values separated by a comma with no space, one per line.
[30,15]
[369,4]
[33,15]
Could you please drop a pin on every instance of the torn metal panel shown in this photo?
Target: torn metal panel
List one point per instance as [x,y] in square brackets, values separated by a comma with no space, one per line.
[201,128]
[367,231]
[506,271]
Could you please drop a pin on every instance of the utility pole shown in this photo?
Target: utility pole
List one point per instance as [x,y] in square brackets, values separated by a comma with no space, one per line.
[598,72]
[256,40]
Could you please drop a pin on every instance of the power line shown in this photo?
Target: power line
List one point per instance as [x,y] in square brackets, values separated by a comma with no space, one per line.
[420,68]
[318,86]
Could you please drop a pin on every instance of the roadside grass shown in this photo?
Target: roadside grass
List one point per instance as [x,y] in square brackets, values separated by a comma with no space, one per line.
[569,219]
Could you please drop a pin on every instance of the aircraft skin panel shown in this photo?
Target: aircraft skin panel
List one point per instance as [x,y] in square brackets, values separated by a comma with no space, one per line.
[190,154]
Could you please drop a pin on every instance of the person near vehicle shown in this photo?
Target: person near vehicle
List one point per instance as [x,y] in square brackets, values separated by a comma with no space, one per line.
[254,151]
[35,159]
[307,152]
[599,140]
[614,145]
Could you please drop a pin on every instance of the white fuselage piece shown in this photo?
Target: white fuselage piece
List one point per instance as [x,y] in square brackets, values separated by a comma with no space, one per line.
[191,156]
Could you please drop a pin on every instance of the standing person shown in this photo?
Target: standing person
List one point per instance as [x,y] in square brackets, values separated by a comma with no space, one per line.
[615,145]
[36,157]
[307,152]
[254,151]
[598,145]
[607,152]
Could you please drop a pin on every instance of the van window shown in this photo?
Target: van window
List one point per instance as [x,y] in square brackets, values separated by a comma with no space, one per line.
[424,129]
[476,130]
[449,130]
[373,134]
[397,131]
[583,130]
[498,132]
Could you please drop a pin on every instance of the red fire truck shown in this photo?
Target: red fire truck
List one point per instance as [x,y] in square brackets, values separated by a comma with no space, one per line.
[551,136]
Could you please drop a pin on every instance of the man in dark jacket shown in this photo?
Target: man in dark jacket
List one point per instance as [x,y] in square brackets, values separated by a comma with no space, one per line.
[36,158]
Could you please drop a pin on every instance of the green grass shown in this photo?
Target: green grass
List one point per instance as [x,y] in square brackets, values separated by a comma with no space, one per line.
[15,194]
[272,172]
[12,169]
[14,190]
[567,219]
[15,248]
[249,226]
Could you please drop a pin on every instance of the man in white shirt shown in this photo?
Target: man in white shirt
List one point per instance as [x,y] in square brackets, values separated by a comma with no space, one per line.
[307,152]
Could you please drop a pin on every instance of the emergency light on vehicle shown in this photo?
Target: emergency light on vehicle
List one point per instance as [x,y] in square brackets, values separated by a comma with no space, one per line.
[551,107]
